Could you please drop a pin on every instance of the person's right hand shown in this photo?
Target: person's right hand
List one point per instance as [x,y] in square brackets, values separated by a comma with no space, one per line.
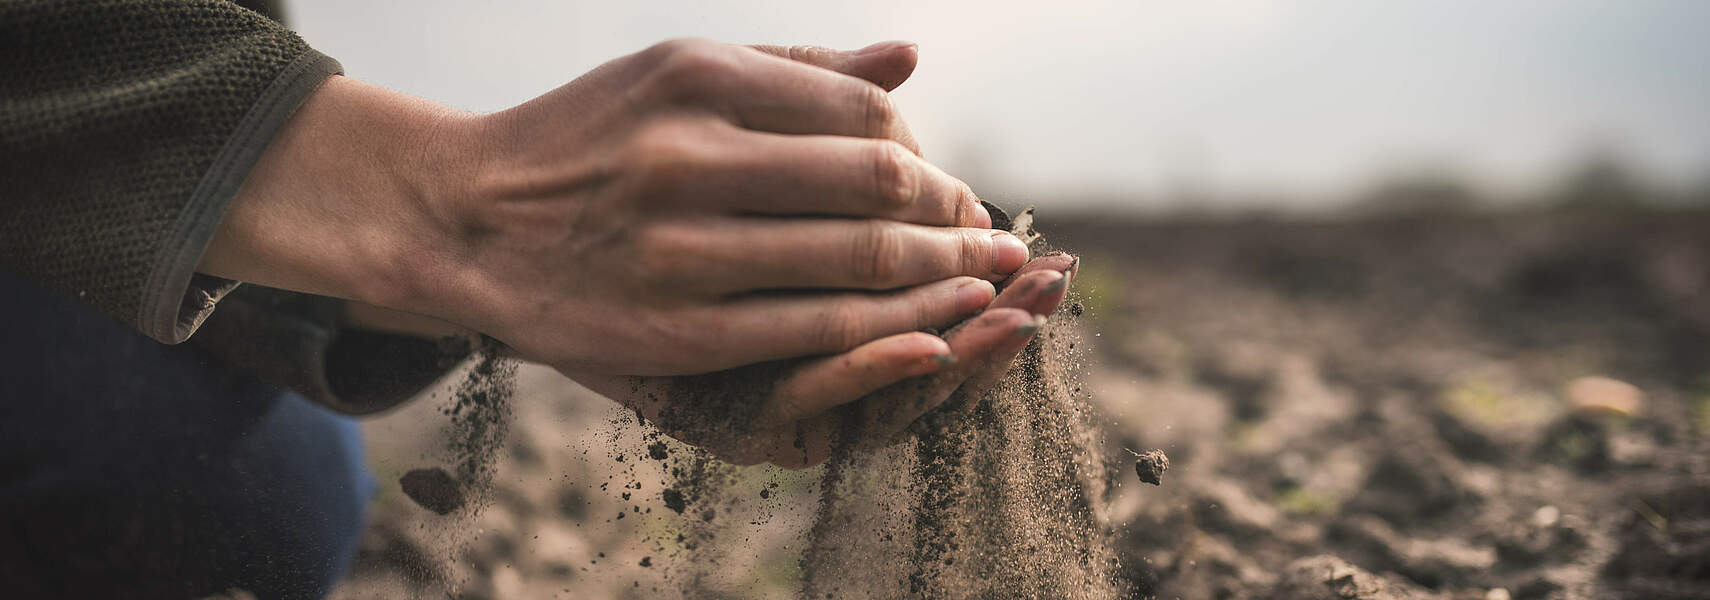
[689,208]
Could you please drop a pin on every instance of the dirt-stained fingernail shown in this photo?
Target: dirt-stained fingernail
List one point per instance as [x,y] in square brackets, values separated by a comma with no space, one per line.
[974,295]
[929,364]
[1008,253]
[1026,330]
[1055,286]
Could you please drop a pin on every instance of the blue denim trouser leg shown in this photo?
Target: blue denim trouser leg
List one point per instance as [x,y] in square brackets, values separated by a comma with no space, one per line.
[130,469]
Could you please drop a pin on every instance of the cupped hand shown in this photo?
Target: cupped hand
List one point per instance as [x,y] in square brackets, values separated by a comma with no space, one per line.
[784,413]
[699,206]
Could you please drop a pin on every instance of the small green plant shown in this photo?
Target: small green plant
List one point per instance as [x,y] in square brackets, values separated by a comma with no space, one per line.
[1303,501]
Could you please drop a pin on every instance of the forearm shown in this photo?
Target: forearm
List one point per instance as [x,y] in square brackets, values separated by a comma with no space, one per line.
[335,206]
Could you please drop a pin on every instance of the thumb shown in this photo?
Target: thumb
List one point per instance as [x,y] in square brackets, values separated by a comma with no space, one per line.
[885,64]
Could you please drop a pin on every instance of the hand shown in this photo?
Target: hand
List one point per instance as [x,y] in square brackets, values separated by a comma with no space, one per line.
[783,413]
[660,215]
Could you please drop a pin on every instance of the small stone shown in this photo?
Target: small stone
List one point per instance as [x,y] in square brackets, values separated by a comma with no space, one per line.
[646,561]
[1602,395]
[1546,516]
[1150,466]
[1497,594]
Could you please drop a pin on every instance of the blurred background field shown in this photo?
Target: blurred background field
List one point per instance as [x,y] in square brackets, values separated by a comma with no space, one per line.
[1416,295]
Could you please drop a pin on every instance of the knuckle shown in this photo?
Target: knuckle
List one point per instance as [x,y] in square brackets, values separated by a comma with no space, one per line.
[693,69]
[661,252]
[675,46]
[842,328]
[962,202]
[806,54]
[974,249]
[880,114]
[896,181]
[877,255]
[662,148]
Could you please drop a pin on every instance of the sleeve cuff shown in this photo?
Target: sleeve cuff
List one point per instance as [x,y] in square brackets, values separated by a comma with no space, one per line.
[176,299]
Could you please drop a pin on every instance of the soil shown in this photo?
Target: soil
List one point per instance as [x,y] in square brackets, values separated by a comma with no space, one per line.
[1365,409]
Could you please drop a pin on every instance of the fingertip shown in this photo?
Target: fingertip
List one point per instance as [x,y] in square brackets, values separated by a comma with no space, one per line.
[1030,291]
[974,294]
[918,353]
[885,46]
[888,64]
[1008,253]
[982,217]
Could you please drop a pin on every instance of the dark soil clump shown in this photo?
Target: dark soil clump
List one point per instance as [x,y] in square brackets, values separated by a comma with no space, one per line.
[1150,466]
[433,489]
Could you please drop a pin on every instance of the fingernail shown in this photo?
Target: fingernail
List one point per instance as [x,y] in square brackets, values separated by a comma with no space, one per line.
[930,364]
[1055,286]
[1008,253]
[982,217]
[884,47]
[974,295]
[1026,330]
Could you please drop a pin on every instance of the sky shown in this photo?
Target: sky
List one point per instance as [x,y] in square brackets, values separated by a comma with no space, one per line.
[1146,104]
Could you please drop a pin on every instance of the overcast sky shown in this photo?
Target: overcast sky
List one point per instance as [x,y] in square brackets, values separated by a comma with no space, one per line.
[1133,101]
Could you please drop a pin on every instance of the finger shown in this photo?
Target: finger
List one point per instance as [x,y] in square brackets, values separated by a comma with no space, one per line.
[823,175]
[821,384]
[1040,286]
[775,327]
[994,332]
[763,92]
[1059,261]
[724,256]
[885,64]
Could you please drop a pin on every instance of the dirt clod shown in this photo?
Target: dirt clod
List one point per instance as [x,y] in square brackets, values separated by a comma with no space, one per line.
[1150,466]
[433,489]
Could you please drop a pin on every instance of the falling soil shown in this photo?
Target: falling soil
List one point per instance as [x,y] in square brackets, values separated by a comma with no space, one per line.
[995,496]
[480,418]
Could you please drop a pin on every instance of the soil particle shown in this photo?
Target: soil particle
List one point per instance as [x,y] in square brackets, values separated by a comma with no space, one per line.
[1150,466]
[433,489]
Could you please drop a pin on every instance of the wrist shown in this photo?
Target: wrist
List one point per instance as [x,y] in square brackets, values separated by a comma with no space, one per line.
[346,201]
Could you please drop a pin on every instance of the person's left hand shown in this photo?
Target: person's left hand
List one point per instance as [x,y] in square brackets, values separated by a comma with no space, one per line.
[898,379]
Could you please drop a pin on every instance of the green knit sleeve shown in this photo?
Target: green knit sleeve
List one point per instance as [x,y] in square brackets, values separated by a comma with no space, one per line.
[126,127]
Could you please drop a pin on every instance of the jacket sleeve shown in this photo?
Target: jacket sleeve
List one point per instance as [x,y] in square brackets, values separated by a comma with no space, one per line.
[126,127]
